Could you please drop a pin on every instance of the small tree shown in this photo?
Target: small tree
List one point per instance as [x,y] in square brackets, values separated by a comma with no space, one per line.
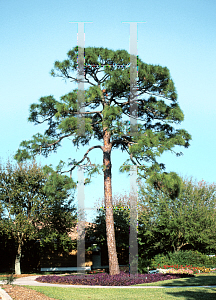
[157,109]
[37,205]
[173,224]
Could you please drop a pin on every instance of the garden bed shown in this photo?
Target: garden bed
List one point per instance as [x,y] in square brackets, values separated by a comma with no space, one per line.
[104,279]
[17,292]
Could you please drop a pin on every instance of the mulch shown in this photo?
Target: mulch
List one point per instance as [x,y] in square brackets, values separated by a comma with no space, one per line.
[22,293]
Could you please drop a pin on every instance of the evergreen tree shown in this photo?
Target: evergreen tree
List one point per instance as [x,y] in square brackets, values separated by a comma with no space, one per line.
[36,204]
[174,224]
[107,100]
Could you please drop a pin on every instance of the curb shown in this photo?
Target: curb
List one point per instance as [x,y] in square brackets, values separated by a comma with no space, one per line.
[4,295]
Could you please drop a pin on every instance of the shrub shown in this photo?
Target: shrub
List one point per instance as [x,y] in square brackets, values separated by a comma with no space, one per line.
[143,265]
[204,269]
[9,279]
[179,269]
[184,258]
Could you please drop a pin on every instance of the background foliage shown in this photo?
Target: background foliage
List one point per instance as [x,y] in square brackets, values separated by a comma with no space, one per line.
[36,208]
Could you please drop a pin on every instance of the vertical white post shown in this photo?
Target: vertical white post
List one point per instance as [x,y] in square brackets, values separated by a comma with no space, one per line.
[81,221]
[80,78]
[80,132]
[133,244]
[133,78]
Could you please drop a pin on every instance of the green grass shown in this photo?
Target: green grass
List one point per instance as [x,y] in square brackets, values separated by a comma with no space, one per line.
[201,279]
[115,293]
[193,293]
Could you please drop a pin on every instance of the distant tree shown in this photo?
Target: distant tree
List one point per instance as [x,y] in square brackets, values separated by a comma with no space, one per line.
[36,204]
[172,224]
[157,108]
[97,232]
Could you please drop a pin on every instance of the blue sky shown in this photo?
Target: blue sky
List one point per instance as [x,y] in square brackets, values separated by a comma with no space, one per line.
[177,34]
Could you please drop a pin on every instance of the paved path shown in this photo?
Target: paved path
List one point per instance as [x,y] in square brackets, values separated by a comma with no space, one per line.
[4,295]
[30,280]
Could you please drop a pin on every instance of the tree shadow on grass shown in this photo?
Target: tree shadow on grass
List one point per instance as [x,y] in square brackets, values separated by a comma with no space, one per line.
[190,281]
[194,294]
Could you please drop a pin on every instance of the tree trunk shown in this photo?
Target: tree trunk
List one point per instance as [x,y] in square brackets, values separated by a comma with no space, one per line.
[110,232]
[17,260]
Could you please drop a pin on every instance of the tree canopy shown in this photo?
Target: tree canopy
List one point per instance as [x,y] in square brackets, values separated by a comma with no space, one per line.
[36,204]
[157,108]
[188,221]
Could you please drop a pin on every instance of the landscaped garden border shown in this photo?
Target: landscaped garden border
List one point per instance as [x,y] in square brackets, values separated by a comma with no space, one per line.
[104,279]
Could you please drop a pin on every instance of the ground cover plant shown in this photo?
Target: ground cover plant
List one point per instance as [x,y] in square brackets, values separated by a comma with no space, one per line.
[104,279]
[180,293]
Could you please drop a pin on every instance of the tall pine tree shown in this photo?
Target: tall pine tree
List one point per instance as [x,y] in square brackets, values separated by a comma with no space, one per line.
[107,101]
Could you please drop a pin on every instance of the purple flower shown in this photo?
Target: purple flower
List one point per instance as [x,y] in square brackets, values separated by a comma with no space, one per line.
[104,279]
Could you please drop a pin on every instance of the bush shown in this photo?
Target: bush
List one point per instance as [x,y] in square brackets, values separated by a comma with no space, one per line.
[143,265]
[204,269]
[9,279]
[179,269]
[184,258]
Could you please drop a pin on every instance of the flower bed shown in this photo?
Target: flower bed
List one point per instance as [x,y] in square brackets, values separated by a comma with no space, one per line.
[179,269]
[176,269]
[104,279]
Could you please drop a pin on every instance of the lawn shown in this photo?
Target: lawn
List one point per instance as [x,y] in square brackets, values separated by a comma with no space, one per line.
[128,293]
[199,279]
[193,293]
[180,293]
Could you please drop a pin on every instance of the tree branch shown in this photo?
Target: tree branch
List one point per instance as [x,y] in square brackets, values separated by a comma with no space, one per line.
[85,156]
[62,137]
[88,112]
[182,245]
[45,119]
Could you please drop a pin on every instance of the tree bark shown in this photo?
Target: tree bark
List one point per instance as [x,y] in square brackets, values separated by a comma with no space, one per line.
[17,260]
[110,232]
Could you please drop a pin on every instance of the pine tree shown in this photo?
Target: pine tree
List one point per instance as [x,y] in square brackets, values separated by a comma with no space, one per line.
[107,100]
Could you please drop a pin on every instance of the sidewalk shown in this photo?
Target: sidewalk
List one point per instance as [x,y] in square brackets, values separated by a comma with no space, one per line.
[30,280]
